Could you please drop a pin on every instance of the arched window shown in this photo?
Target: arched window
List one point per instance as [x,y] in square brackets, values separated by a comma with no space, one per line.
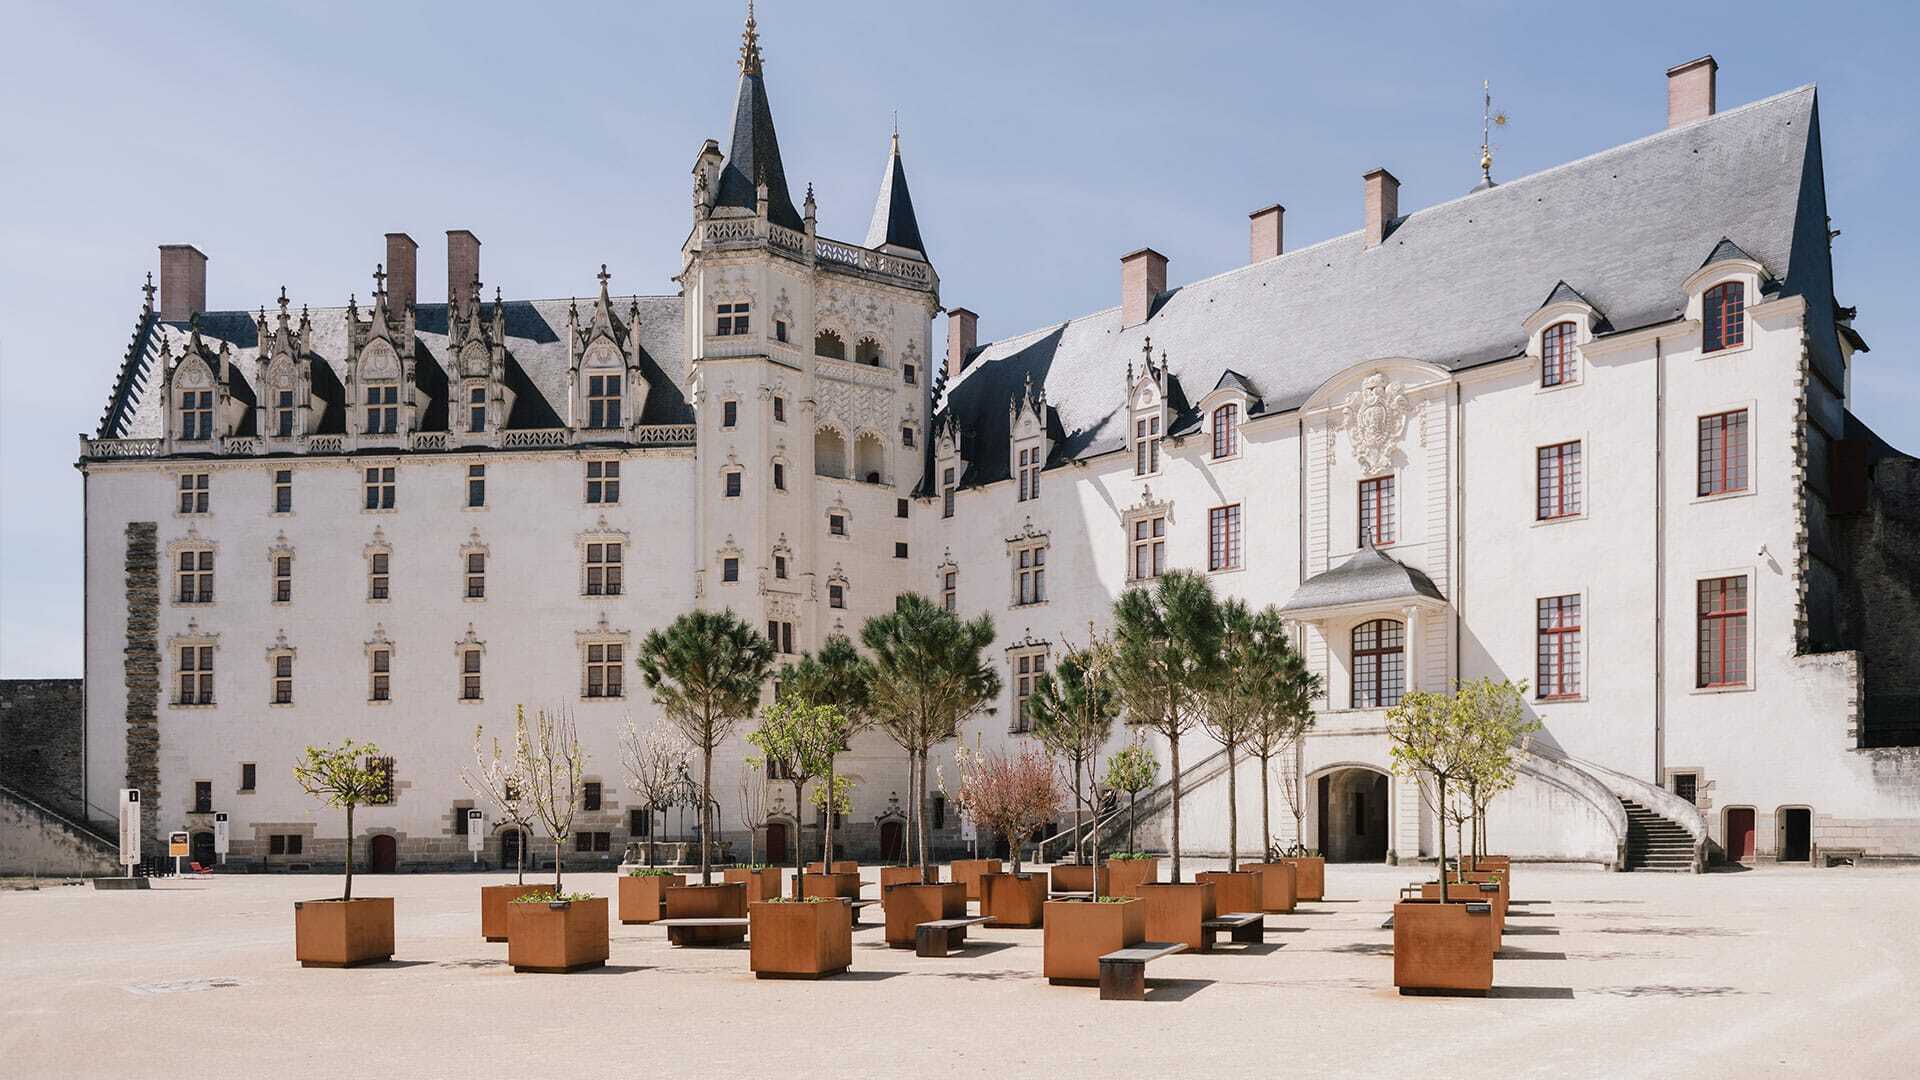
[1723,317]
[1556,354]
[869,459]
[1379,664]
[867,352]
[1226,431]
[828,344]
[829,453]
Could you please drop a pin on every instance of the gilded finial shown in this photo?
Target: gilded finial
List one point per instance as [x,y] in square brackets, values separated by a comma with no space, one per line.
[1489,119]
[750,45]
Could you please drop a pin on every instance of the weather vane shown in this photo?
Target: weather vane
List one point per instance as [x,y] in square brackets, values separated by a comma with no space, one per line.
[1489,119]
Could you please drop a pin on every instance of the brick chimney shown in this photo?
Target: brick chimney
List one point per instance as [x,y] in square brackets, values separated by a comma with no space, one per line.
[963,333]
[1265,234]
[1143,276]
[1690,91]
[1383,204]
[403,272]
[183,282]
[463,266]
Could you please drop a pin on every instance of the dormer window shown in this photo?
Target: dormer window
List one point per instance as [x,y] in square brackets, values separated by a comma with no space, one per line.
[1029,469]
[476,408]
[1146,446]
[283,414]
[1556,354]
[732,321]
[196,415]
[1723,317]
[603,401]
[1226,431]
[383,408]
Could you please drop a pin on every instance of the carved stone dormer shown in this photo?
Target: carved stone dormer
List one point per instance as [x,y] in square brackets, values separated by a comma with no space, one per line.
[608,392]
[1028,441]
[480,401]
[201,408]
[284,376]
[382,399]
[1148,410]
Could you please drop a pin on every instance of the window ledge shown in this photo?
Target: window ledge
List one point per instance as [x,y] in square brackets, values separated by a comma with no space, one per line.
[471,701]
[1541,388]
[471,509]
[1725,495]
[380,600]
[1746,346]
[1017,605]
[1563,519]
[379,701]
[274,513]
[380,510]
[1742,688]
[1561,699]
[193,705]
[474,599]
[1229,569]
[196,515]
[279,704]
[196,604]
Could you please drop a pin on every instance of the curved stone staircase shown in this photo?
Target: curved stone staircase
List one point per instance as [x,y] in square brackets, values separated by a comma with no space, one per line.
[1654,843]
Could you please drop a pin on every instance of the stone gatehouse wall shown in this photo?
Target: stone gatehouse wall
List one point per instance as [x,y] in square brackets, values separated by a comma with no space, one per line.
[42,734]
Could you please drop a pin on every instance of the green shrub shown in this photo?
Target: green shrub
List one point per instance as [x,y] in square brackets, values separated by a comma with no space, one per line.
[806,900]
[548,896]
[1113,900]
[650,871]
[1129,856]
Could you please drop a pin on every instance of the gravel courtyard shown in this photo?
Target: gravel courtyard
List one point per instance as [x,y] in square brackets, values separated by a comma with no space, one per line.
[1773,972]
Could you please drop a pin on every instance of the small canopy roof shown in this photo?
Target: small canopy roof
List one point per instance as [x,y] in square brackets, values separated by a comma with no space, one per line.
[1368,576]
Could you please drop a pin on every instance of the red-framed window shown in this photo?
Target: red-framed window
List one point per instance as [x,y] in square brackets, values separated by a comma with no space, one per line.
[1559,669]
[1556,354]
[1723,453]
[1379,664]
[1223,538]
[1376,512]
[1723,632]
[1226,431]
[1559,482]
[1724,317]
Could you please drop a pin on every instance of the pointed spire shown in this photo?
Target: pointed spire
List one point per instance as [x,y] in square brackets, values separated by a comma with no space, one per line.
[893,222]
[750,45]
[753,154]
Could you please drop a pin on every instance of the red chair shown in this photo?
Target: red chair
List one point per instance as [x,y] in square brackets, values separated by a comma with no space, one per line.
[200,871]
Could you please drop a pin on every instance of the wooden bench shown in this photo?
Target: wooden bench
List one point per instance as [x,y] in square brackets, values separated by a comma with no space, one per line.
[1123,972]
[857,905]
[942,936]
[678,929]
[1245,926]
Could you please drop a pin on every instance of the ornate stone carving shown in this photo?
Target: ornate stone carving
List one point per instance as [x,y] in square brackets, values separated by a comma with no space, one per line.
[1375,418]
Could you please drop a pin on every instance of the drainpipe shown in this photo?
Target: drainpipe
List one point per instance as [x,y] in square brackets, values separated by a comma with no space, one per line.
[1659,562]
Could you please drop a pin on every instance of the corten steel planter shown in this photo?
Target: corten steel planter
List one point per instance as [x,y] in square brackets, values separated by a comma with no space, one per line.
[762,884]
[967,872]
[910,905]
[724,901]
[1472,892]
[1014,900]
[643,897]
[1442,948]
[1176,910]
[1237,892]
[493,907]
[897,875]
[1124,874]
[1078,877]
[1277,881]
[565,935]
[343,933]
[1499,897]
[843,885]
[803,940]
[1309,876]
[1079,932]
[840,866]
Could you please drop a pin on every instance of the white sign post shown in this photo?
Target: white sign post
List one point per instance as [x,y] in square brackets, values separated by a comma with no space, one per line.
[969,835]
[220,836]
[129,828]
[476,833]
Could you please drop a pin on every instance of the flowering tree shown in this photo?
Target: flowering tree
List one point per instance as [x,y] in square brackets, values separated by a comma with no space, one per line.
[495,776]
[342,776]
[1010,794]
[548,757]
[653,763]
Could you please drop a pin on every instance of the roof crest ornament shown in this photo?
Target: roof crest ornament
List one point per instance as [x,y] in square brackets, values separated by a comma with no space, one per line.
[750,45]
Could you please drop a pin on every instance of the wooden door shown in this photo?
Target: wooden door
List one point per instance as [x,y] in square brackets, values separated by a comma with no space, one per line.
[777,853]
[383,855]
[1740,835]
[893,846]
[1796,834]
[510,840]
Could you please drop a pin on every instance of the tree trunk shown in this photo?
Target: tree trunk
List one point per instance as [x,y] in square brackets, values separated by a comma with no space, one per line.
[799,847]
[832,803]
[920,800]
[1441,781]
[1173,743]
[1076,810]
[347,892]
[1266,822]
[557,894]
[906,839]
[706,810]
[652,855]
[1233,813]
[520,850]
[1299,800]
[1094,845]
[1133,801]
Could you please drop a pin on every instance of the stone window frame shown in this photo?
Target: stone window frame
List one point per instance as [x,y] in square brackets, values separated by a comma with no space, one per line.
[1223,425]
[470,662]
[1230,554]
[733,481]
[277,486]
[837,579]
[195,490]
[244,787]
[1147,509]
[1021,684]
[603,635]
[1571,656]
[779,470]
[361,403]
[868,352]
[1750,407]
[730,550]
[377,644]
[839,509]
[468,407]
[188,376]
[379,584]
[277,652]
[946,581]
[476,475]
[613,571]
[782,559]
[203,575]
[474,546]
[909,435]
[1027,566]
[1751,583]
[206,668]
[604,489]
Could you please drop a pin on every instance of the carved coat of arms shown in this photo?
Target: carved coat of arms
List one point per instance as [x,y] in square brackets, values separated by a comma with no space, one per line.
[1375,416]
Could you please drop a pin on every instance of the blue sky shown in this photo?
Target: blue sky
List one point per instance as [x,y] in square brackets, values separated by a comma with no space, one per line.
[1042,141]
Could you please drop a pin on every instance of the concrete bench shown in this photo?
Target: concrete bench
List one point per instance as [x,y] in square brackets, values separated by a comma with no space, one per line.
[1123,972]
[942,936]
[1245,926]
[1834,856]
[678,929]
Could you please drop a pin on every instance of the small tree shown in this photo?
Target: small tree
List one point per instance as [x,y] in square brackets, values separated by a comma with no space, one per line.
[343,776]
[1073,711]
[1431,740]
[1010,794]
[753,807]
[796,740]
[548,757]
[928,677]
[496,776]
[838,676]
[1251,645]
[1167,642]
[1132,769]
[706,670]
[1281,721]
[653,763]
[1496,716]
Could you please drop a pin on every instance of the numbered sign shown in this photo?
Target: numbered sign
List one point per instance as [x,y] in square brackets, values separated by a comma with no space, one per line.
[129,826]
[220,834]
[476,832]
[968,833]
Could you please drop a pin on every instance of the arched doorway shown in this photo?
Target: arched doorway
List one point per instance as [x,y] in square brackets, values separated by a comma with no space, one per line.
[1740,834]
[201,848]
[383,854]
[893,841]
[777,851]
[1796,834]
[1352,813]
[511,841]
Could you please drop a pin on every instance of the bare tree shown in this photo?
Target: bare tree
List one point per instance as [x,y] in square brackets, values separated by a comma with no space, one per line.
[653,762]
[495,775]
[550,763]
[753,808]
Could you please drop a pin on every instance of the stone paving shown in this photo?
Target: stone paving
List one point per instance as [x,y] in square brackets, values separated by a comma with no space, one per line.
[1772,972]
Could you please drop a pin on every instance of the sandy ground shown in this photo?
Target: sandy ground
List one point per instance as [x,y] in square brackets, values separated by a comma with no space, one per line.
[1775,972]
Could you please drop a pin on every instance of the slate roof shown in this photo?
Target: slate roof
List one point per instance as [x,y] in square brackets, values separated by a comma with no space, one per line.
[1368,576]
[893,220]
[1452,285]
[537,364]
[754,154]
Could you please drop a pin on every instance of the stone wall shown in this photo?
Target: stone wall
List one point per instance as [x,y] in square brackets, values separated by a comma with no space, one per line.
[142,673]
[34,842]
[41,742]
[1881,607]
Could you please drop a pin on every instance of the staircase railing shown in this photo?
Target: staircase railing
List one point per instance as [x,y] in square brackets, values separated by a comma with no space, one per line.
[85,829]
[1084,831]
[1662,802]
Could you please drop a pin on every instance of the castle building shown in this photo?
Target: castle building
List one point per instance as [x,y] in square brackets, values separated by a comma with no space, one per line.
[1588,428]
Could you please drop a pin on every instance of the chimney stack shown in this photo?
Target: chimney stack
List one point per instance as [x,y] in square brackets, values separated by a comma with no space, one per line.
[1690,91]
[1383,204]
[963,333]
[403,272]
[183,282]
[1266,239]
[463,266]
[1143,276]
